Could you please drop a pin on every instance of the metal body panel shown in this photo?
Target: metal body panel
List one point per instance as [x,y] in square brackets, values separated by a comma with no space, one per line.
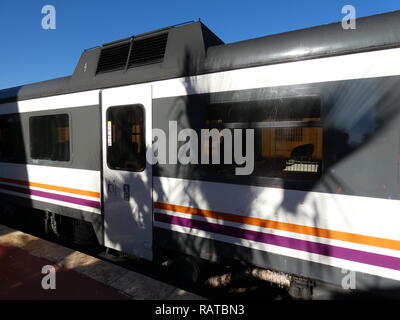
[74,188]
[331,229]
[73,184]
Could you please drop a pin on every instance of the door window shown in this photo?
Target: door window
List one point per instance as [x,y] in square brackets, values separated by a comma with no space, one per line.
[126,149]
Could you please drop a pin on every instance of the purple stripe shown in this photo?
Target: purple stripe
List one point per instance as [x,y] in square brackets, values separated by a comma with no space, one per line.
[54,196]
[303,245]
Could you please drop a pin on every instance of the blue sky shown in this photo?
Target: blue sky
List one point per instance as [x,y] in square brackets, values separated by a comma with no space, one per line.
[29,53]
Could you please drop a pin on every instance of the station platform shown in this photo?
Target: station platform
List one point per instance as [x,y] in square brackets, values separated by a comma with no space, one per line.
[77,276]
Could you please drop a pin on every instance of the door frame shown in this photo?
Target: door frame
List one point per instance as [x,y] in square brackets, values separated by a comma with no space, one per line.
[128,224]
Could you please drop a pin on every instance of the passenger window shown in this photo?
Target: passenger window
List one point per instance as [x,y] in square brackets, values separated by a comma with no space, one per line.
[126,149]
[288,135]
[50,137]
[12,147]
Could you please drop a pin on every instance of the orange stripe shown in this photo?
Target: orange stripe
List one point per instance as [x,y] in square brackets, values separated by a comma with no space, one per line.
[313,231]
[51,187]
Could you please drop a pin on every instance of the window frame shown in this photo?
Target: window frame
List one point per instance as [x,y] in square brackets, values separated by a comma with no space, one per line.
[70,144]
[271,180]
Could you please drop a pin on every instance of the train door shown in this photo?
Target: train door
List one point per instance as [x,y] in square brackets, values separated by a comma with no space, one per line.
[127,176]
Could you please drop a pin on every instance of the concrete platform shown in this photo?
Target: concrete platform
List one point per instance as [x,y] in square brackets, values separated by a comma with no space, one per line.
[78,276]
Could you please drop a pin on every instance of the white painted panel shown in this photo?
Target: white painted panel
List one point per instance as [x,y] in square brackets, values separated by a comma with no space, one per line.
[361,215]
[70,100]
[372,64]
[86,180]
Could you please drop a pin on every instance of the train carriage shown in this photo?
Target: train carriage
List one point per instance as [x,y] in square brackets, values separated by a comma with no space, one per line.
[319,194]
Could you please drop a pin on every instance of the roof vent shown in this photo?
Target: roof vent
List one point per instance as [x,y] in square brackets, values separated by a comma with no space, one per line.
[113,58]
[148,50]
[132,53]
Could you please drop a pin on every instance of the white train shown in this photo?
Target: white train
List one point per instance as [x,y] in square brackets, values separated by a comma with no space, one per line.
[324,190]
